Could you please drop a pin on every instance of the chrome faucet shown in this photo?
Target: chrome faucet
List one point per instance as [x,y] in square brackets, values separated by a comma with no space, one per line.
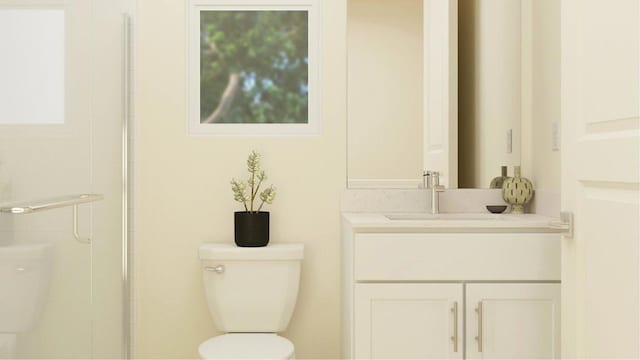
[431,180]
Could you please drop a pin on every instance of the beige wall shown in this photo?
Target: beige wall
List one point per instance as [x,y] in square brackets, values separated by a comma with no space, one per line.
[183,194]
[385,89]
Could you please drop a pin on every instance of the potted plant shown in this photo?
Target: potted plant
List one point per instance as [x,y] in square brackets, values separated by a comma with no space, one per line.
[252,225]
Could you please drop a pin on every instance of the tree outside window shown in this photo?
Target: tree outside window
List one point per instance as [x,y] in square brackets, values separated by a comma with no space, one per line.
[254,67]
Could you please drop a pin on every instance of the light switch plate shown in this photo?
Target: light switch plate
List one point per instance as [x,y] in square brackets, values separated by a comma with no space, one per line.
[555,136]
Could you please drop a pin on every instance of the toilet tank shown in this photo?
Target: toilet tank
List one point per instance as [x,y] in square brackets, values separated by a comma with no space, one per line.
[251,289]
[25,272]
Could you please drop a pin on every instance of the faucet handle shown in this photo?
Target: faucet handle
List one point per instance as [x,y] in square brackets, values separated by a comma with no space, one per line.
[431,179]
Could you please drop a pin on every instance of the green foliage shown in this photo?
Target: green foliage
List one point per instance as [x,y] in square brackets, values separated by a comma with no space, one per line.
[269,50]
[239,189]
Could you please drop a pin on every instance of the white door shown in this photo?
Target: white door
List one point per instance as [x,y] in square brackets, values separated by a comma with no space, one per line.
[600,177]
[408,321]
[441,89]
[513,321]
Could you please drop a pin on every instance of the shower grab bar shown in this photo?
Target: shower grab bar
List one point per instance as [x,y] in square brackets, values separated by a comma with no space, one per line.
[54,203]
[48,203]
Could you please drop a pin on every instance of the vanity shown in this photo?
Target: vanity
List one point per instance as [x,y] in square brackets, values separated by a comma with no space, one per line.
[450,286]
[464,283]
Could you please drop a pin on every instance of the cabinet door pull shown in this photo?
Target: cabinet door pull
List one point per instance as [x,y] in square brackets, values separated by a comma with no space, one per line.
[479,337]
[454,338]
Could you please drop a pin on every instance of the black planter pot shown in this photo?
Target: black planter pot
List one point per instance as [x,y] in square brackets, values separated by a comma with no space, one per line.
[251,229]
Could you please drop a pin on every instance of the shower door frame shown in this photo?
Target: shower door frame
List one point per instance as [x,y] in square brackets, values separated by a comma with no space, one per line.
[126,114]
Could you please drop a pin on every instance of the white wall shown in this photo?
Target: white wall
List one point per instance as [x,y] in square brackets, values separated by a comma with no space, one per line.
[183,195]
[385,77]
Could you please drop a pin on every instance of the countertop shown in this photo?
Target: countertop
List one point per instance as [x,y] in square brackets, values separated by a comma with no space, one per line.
[452,222]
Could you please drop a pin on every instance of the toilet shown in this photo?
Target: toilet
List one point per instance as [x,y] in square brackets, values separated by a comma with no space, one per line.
[25,274]
[251,294]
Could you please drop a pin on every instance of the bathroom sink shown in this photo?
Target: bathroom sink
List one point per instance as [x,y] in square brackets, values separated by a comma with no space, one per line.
[451,216]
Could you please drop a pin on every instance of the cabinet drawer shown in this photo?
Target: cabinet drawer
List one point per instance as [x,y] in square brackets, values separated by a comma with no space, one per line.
[457,256]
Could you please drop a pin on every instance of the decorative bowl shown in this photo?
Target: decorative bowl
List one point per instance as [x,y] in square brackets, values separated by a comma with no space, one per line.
[496,209]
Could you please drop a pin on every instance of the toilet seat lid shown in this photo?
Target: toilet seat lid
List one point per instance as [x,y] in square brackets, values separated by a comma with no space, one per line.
[246,346]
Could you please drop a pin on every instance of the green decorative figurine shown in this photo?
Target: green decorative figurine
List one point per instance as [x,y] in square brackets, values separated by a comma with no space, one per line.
[517,191]
[497,182]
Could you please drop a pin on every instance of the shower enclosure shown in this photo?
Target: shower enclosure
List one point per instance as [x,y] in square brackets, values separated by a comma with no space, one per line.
[64,121]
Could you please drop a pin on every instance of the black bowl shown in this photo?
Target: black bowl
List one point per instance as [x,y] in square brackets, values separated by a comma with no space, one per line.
[496,209]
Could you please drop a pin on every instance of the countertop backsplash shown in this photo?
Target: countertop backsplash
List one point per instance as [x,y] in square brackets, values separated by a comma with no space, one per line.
[544,203]
[451,201]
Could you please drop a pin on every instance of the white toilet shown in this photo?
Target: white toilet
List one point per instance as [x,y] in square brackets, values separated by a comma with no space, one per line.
[251,293]
[25,273]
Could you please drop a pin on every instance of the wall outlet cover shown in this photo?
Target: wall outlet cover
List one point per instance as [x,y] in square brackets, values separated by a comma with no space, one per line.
[555,136]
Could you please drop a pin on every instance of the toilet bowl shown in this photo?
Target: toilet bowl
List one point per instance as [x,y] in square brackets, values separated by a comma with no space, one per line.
[251,294]
[25,273]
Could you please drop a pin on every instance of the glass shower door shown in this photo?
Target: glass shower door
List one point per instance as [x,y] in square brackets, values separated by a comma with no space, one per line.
[62,187]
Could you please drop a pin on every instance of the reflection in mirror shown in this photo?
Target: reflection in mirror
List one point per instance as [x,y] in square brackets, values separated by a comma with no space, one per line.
[508,90]
[490,106]
[385,71]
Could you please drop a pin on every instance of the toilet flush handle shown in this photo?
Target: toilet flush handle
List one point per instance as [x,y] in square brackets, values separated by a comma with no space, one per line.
[217,269]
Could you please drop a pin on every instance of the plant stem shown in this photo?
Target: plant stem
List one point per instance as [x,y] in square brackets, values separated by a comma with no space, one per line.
[261,206]
[253,194]
[253,179]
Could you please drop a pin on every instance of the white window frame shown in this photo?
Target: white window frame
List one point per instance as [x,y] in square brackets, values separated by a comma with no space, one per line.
[194,127]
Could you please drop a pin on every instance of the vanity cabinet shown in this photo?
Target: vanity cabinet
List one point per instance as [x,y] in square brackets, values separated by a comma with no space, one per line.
[425,321]
[451,295]
[512,321]
[409,321]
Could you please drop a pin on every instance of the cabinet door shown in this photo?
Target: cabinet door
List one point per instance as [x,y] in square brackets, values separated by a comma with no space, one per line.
[408,321]
[513,321]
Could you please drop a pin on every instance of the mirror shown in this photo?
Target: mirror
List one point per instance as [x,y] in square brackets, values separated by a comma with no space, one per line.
[385,91]
[507,89]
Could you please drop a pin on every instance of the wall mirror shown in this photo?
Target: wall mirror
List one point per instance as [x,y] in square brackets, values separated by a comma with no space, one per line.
[446,85]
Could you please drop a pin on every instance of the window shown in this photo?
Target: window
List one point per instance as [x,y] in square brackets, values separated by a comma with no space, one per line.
[253,67]
[32,66]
